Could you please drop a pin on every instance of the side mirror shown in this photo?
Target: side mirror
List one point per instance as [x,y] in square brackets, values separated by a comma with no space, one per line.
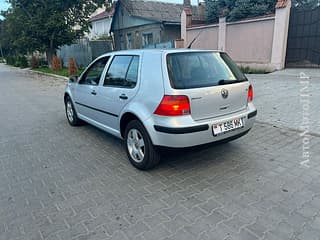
[73,78]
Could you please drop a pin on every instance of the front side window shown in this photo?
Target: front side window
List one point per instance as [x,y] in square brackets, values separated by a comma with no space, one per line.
[201,69]
[93,74]
[123,72]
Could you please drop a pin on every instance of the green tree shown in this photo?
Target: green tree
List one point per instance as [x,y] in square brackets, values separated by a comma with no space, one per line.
[45,25]
[212,10]
[238,9]
[306,3]
[16,35]
[251,8]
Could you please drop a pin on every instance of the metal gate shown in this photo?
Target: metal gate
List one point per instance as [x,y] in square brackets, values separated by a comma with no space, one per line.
[303,48]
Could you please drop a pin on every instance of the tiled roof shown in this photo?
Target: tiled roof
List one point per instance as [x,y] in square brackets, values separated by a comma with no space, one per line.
[102,15]
[159,11]
[188,11]
[281,3]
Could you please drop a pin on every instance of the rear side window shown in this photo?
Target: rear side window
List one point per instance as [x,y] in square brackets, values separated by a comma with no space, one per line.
[201,69]
[123,72]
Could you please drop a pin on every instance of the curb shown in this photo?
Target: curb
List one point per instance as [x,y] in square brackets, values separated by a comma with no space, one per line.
[46,74]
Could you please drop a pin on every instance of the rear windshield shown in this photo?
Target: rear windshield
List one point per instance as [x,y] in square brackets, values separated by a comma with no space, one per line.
[201,69]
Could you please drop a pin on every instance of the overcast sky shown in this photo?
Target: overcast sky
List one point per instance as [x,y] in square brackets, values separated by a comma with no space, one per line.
[4,5]
[193,2]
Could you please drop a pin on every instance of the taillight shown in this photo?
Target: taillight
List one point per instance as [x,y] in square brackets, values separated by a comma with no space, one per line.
[250,94]
[173,105]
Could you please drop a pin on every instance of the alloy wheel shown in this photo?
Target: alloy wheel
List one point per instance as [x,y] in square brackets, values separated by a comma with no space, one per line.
[136,145]
[70,111]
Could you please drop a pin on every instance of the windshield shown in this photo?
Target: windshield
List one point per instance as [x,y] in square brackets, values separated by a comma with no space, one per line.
[202,69]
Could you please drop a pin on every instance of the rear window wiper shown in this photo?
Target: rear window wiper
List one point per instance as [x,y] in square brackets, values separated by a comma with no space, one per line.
[225,82]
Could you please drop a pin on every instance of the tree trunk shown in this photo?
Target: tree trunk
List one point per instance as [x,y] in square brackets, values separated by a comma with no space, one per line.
[50,52]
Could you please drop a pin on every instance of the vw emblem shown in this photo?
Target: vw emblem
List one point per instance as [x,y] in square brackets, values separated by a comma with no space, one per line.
[224,93]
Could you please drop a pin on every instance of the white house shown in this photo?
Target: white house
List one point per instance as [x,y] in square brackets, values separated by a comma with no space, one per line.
[100,25]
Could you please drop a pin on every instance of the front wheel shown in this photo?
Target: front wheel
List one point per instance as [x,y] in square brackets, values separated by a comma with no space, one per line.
[140,150]
[71,113]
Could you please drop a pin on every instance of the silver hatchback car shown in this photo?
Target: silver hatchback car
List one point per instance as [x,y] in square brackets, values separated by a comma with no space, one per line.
[171,98]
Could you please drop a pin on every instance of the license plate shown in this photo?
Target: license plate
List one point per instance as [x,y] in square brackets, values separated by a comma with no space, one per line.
[220,128]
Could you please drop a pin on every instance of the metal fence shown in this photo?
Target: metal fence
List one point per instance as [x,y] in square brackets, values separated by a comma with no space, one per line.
[83,51]
[303,49]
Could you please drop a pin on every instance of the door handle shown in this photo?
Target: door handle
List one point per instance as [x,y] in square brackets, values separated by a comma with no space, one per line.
[123,96]
[94,92]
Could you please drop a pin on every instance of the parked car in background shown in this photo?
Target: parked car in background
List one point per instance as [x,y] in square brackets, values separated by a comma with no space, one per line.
[170,98]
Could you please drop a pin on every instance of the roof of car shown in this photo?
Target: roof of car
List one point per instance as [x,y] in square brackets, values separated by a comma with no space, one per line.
[173,50]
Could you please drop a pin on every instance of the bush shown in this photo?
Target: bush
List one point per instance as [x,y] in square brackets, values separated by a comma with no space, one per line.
[11,60]
[34,62]
[19,61]
[248,70]
[56,63]
[42,62]
[73,68]
[22,62]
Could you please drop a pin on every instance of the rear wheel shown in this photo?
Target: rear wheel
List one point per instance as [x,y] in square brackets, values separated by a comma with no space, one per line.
[140,150]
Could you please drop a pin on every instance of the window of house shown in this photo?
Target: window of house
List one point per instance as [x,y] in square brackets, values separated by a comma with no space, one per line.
[93,74]
[147,38]
[129,40]
[123,72]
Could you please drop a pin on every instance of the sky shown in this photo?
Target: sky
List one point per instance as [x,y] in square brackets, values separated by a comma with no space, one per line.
[193,2]
[4,5]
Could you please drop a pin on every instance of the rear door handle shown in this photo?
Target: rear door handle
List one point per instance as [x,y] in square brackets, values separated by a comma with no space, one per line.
[123,96]
[94,92]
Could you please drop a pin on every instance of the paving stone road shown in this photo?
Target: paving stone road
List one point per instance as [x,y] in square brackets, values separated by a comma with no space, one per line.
[60,182]
[285,97]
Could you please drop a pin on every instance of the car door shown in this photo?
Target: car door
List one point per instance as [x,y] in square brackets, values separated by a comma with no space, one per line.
[118,88]
[86,89]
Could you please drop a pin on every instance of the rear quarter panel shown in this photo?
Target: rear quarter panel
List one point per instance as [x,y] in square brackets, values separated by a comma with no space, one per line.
[151,88]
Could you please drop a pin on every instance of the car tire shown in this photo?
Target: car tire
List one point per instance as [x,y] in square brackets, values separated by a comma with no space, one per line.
[140,150]
[71,113]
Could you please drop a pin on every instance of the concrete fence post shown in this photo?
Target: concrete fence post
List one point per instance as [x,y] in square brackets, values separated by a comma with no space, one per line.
[179,43]
[186,21]
[183,28]
[280,34]
[222,33]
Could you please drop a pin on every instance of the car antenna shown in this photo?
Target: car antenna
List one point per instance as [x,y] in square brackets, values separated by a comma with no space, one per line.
[196,37]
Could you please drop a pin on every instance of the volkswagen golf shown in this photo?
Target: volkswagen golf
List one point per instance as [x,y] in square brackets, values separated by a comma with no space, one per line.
[162,98]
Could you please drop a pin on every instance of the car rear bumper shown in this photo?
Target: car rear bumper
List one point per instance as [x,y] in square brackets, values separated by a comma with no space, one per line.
[175,134]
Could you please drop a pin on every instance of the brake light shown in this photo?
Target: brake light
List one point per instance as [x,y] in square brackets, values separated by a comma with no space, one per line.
[250,94]
[173,105]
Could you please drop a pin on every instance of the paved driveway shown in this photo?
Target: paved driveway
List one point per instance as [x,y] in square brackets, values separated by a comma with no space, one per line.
[289,98]
[60,182]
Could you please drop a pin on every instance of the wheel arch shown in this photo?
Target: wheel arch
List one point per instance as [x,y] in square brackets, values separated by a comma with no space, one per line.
[66,95]
[125,119]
